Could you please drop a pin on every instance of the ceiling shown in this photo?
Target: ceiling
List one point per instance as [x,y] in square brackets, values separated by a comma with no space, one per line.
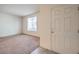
[19,9]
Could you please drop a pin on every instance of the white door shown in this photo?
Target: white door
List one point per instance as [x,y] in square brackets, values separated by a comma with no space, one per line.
[65,26]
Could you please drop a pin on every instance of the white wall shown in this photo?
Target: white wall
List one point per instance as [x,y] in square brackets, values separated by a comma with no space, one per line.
[25,25]
[44,26]
[9,25]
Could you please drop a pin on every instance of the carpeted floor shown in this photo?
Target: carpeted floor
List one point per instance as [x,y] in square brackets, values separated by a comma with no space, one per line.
[19,44]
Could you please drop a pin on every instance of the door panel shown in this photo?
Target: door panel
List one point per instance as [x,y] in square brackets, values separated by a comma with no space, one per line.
[65,26]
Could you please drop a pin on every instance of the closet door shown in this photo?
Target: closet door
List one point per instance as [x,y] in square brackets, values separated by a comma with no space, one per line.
[74,30]
[65,26]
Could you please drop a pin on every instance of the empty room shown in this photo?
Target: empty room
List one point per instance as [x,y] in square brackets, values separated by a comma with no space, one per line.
[39,29]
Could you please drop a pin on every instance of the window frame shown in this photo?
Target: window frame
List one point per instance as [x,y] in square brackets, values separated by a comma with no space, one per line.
[36,23]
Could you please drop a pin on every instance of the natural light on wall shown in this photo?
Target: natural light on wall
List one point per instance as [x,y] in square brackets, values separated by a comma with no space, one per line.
[32,24]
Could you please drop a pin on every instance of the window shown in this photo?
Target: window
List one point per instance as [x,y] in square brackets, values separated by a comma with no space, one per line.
[32,23]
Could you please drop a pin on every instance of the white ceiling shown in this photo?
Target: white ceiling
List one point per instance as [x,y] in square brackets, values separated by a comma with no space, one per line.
[19,9]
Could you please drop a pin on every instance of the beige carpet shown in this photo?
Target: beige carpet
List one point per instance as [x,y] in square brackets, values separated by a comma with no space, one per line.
[19,44]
